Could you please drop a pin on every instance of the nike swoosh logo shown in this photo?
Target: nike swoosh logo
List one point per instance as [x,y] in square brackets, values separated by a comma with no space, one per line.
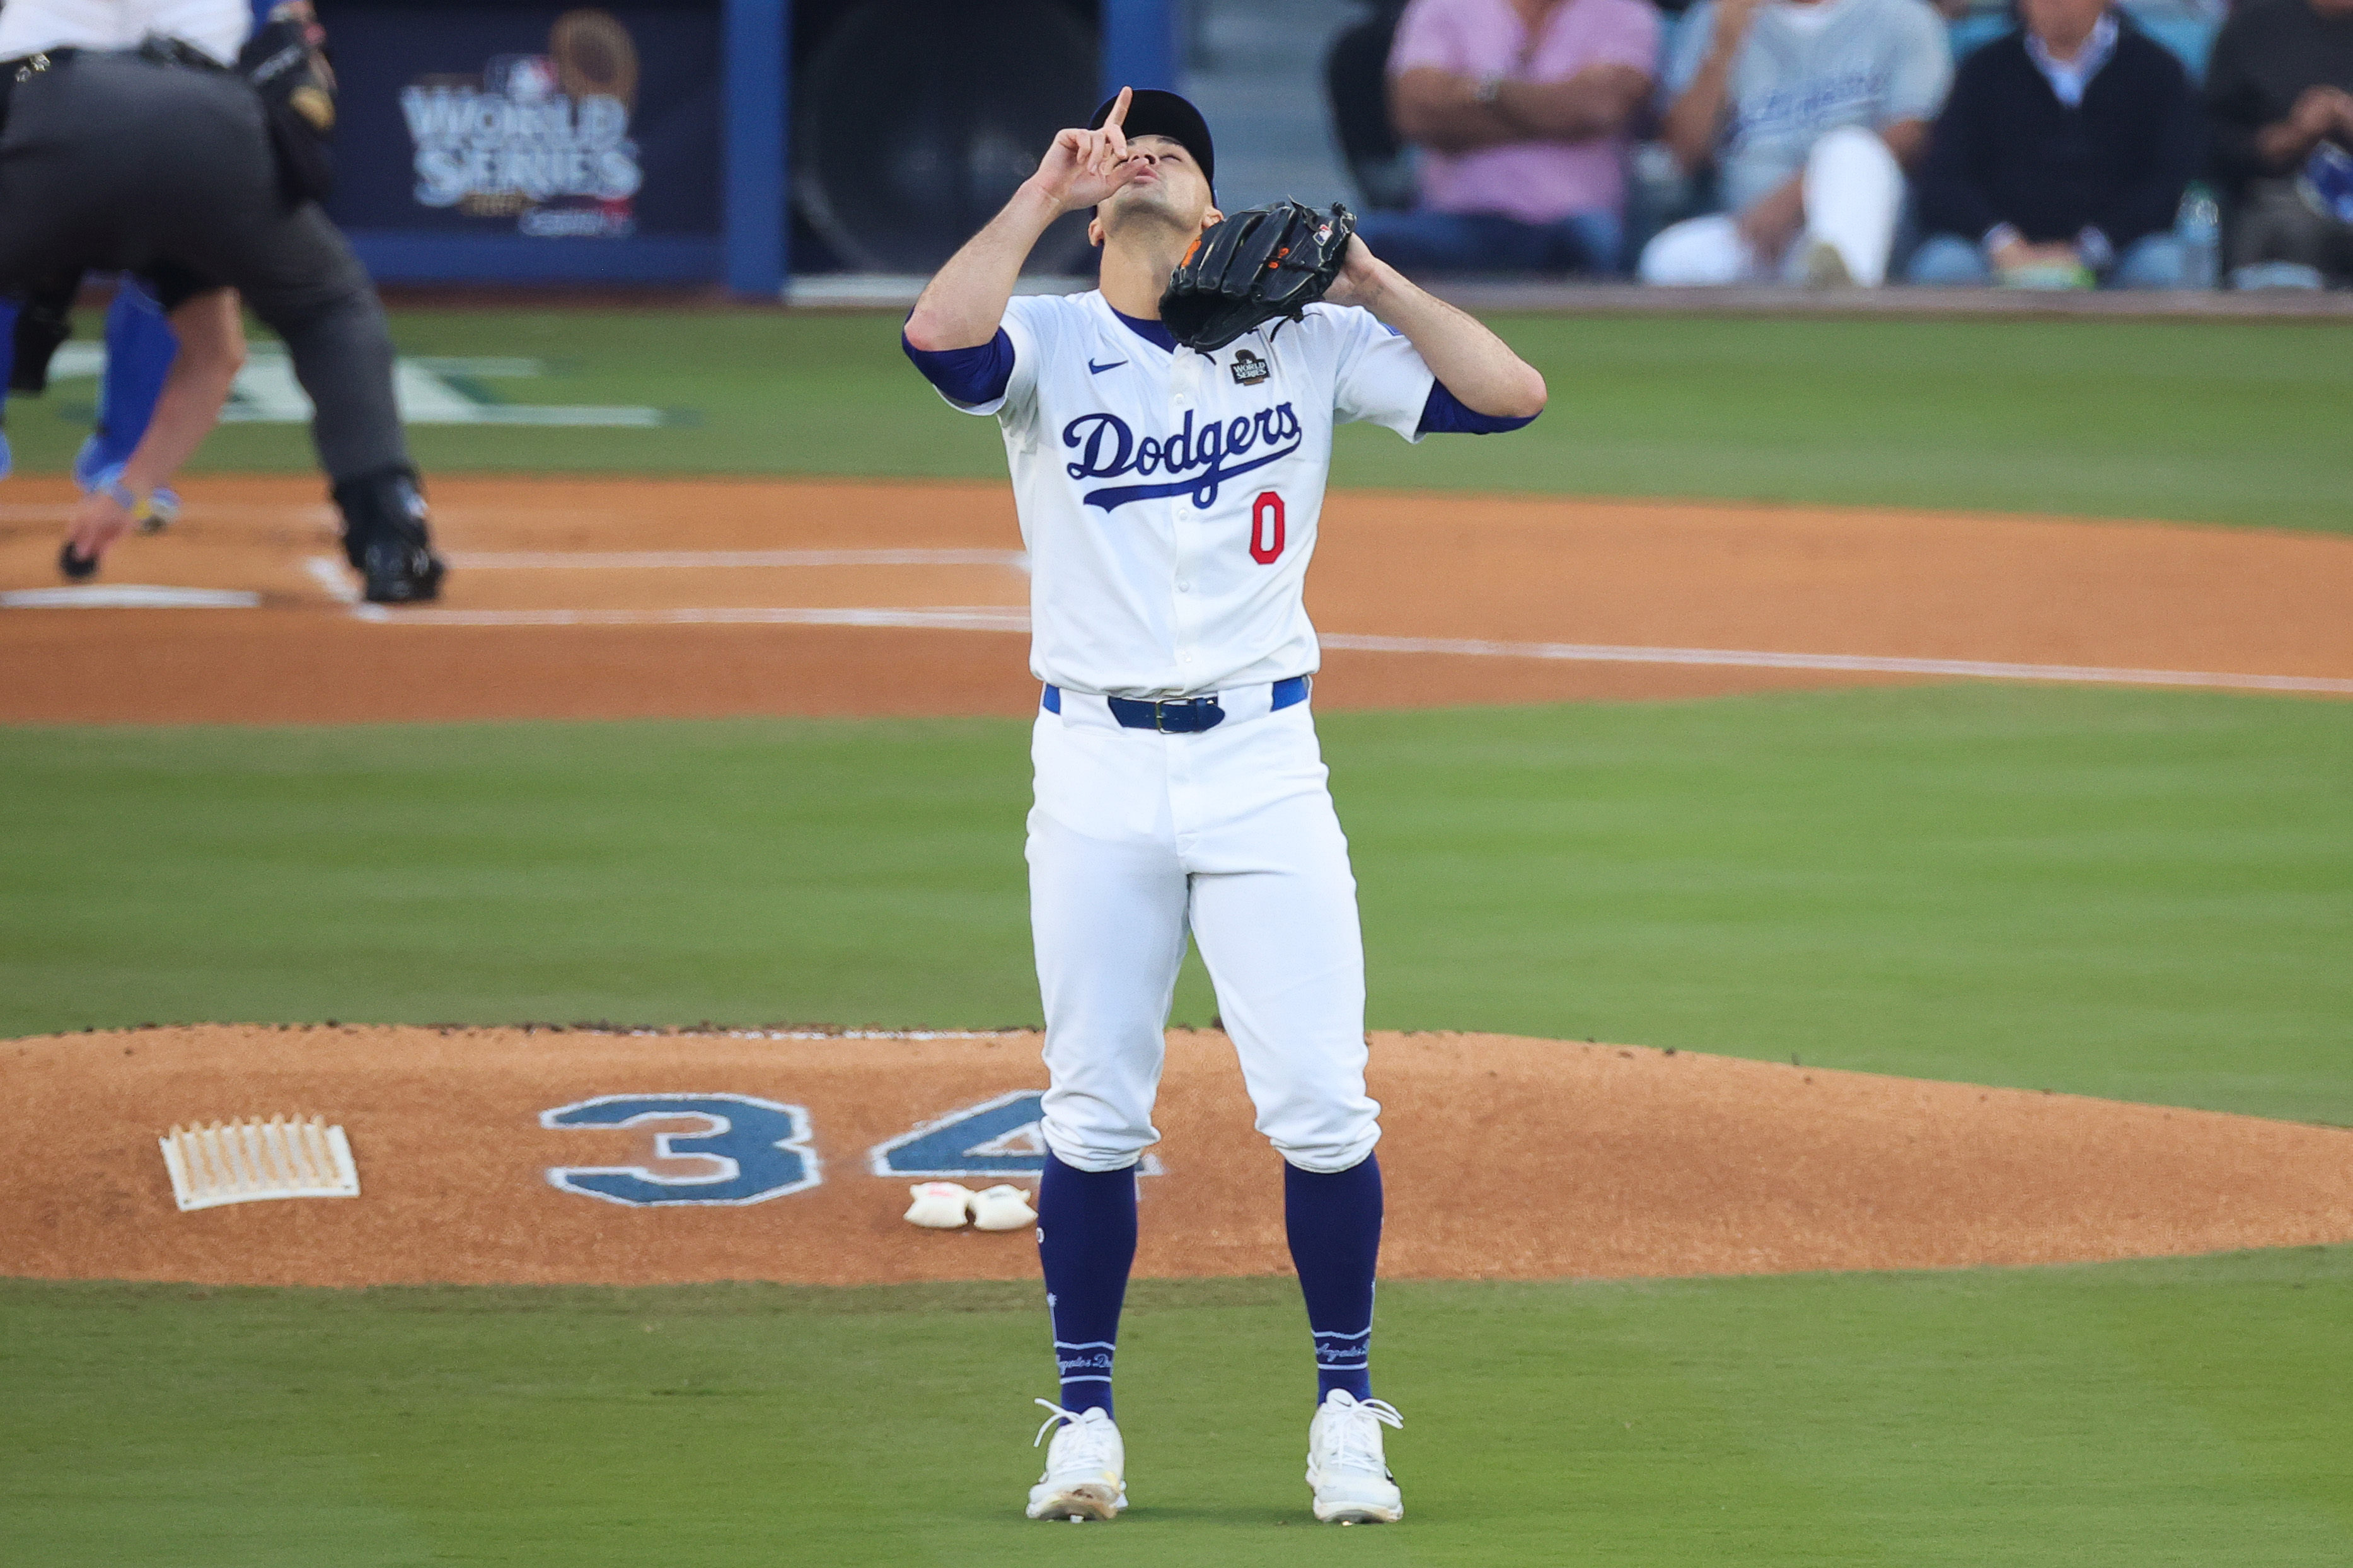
[1099,369]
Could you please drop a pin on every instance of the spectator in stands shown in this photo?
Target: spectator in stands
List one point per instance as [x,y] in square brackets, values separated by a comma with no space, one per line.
[1810,111]
[2281,116]
[2061,158]
[1520,108]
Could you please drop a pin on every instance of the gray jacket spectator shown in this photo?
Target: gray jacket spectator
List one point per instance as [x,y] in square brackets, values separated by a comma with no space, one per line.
[2061,158]
[2279,105]
[1808,108]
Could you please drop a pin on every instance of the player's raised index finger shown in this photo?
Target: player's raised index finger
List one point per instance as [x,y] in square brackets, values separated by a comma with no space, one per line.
[1119,109]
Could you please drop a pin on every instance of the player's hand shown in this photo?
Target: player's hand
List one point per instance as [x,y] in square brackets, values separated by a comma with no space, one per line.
[1082,167]
[96,522]
[1364,277]
[2018,255]
[2316,112]
[1770,224]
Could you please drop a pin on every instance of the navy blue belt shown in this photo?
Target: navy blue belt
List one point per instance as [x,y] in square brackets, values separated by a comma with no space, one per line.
[1183,715]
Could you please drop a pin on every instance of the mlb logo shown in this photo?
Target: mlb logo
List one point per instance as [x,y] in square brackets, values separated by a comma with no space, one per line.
[525,79]
[1249,370]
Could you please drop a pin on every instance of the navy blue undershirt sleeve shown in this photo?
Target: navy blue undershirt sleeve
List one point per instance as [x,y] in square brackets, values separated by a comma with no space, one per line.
[967,375]
[1444,414]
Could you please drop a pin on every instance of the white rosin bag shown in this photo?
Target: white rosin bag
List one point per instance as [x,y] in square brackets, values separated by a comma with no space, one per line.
[940,1206]
[1002,1207]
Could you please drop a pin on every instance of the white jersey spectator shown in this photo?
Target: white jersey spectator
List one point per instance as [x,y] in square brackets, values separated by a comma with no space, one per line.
[1809,109]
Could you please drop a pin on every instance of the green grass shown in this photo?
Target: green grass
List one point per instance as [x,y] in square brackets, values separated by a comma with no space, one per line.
[2225,422]
[2192,1412]
[2145,895]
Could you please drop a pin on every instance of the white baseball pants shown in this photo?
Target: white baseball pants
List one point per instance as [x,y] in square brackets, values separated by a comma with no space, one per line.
[1854,193]
[1137,837]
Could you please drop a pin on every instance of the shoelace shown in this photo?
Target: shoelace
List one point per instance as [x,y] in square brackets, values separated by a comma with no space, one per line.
[1089,1437]
[1358,1443]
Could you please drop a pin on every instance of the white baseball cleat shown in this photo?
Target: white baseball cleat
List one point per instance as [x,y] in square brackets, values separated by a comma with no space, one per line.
[1084,1467]
[1345,1466]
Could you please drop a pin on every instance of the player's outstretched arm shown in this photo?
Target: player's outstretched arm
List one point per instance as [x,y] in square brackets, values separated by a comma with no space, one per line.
[964,303]
[212,348]
[1474,365]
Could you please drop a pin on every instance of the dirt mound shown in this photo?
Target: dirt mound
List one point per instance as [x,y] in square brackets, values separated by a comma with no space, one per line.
[512,1155]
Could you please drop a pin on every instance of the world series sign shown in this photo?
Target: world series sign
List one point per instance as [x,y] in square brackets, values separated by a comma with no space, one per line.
[584,123]
[544,139]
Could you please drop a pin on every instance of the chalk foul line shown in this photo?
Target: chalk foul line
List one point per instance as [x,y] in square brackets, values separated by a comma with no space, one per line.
[992,618]
[949,617]
[332,579]
[657,560]
[129,596]
[1867,664]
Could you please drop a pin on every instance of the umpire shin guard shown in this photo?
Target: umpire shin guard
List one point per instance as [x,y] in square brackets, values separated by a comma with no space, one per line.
[385,538]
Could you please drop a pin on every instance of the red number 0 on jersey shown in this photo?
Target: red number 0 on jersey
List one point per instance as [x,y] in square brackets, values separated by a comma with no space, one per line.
[1266,528]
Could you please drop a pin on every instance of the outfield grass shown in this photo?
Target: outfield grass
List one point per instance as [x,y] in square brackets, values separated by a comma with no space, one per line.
[2145,895]
[2192,1412]
[2227,422]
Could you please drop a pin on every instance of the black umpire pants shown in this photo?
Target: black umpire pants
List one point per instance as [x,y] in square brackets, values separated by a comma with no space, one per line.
[118,163]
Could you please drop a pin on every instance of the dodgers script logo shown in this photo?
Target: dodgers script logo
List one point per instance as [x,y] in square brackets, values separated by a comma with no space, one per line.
[1107,448]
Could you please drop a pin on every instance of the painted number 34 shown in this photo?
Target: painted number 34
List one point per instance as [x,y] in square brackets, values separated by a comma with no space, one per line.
[736,1149]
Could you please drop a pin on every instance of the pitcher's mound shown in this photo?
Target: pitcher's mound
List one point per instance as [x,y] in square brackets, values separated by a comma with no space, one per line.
[551,1156]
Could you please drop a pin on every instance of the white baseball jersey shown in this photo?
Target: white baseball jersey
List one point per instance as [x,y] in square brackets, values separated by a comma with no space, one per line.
[216,27]
[1169,500]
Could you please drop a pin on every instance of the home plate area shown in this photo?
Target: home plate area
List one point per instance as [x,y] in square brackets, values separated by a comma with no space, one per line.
[535,553]
[587,1155]
[616,597]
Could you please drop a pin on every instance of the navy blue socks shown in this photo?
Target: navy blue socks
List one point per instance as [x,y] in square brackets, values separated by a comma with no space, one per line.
[1086,1239]
[1335,1223]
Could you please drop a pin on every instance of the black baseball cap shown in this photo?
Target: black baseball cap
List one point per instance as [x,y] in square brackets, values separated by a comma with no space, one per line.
[1153,112]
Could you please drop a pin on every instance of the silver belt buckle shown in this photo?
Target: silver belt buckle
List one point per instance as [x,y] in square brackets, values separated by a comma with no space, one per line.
[33,65]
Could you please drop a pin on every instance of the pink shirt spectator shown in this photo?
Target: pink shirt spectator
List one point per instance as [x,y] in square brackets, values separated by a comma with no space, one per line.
[1534,181]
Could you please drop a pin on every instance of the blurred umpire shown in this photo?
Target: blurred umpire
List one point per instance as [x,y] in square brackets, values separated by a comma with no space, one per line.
[149,136]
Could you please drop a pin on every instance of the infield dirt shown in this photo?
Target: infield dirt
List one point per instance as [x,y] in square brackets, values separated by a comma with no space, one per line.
[530,555]
[1505,1157]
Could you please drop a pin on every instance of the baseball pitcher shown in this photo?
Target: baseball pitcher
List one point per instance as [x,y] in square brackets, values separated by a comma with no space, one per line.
[1169,434]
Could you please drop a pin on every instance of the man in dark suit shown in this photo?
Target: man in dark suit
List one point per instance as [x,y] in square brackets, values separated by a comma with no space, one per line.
[2281,113]
[2061,158]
